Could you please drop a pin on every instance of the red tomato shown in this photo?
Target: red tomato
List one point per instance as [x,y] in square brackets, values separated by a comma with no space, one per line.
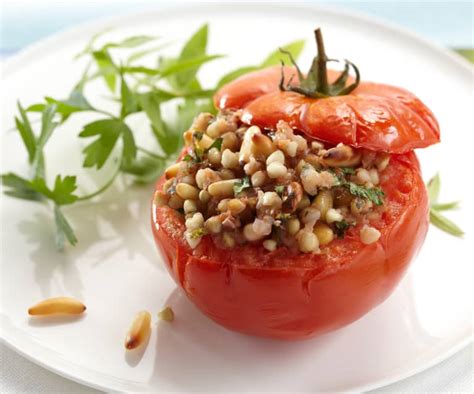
[379,117]
[292,296]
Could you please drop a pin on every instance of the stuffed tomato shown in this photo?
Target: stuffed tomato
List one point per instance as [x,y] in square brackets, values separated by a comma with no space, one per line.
[298,207]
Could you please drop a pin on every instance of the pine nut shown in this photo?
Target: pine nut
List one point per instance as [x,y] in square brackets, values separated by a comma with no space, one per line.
[175,202]
[323,202]
[276,170]
[195,222]
[166,314]
[309,216]
[226,174]
[57,306]
[172,171]
[369,235]
[206,176]
[138,331]
[213,225]
[276,157]
[374,176]
[201,122]
[205,142]
[261,146]
[324,233]
[161,199]
[305,202]
[222,189]
[270,245]
[258,179]
[250,234]
[187,192]
[229,159]
[230,141]
[362,176]
[252,166]
[216,128]
[190,206]
[292,226]
[204,196]
[333,215]
[214,156]
[341,156]
[271,200]
[235,206]
[307,241]
[246,147]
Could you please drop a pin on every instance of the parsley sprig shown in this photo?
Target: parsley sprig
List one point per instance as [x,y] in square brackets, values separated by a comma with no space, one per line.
[135,89]
[436,217]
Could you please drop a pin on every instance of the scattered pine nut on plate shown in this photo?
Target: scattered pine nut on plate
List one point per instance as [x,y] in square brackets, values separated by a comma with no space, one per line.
[57,306]
[139,331]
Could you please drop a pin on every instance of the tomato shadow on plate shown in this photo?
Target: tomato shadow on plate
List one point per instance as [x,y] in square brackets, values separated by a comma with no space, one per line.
[195,354]
[192,352]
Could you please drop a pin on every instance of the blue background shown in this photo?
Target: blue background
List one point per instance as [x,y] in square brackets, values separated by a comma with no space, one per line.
[23,22]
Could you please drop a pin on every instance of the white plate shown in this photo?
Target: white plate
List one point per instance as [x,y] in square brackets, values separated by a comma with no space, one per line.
[115,268]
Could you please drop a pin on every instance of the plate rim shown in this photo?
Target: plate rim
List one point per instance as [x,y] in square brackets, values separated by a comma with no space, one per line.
[14,63]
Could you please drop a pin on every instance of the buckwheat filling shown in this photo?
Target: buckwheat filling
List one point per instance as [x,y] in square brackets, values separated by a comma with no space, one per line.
[241,184]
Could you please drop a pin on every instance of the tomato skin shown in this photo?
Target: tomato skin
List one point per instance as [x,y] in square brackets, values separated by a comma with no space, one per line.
[284,296]
[374,116]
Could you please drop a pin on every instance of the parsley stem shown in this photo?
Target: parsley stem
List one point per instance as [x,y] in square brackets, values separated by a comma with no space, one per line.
[103,188]
[150,153]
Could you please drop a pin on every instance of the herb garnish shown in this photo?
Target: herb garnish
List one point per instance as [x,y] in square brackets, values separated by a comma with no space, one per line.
[216,144]
[241,185]
[199,232]
[135,89]
[436,218]
[341,227]
[279,189]
[373,194]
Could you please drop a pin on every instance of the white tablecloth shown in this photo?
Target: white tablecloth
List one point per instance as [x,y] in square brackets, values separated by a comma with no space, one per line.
[454,375]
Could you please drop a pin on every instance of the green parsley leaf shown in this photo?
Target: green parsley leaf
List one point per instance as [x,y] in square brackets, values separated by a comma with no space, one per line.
[107,68]
[446,206]
[216,144]
[279,189]
[374,194]
[63,191]
[26,132]
[199,232]
[241,185]
[168,140]
[436,218]
[444,224]
[128,99]
[347,171]
[109,131]
[130,42]
[47,128]
[295,48]
[63,229]
[194,48]
[341,227]
[434,186]
[19,187]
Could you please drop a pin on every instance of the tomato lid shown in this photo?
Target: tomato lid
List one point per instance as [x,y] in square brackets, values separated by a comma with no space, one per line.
[367,115]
